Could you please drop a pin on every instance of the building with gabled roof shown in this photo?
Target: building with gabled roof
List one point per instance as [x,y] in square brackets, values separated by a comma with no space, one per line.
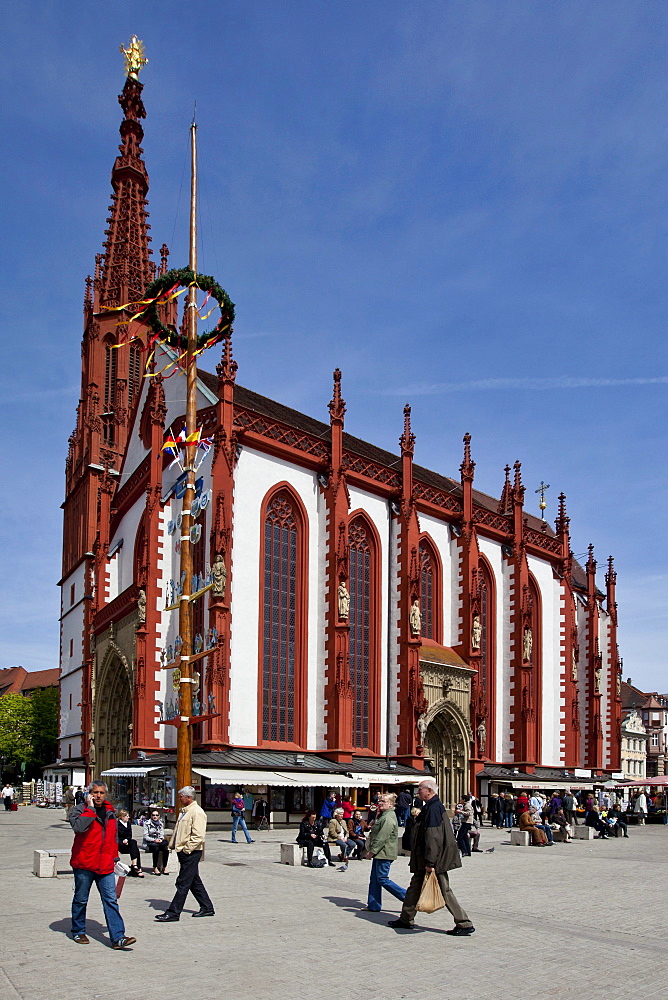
[469,637]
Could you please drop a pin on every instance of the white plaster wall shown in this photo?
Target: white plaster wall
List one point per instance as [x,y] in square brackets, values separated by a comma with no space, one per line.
[504,656]
[175,400]
[135,453]
[71,628]
[391,625]
[70,718]
[439,533]
[121,565]
[378,511]
[255,475]
[551,697]
[492,552]
[452,617]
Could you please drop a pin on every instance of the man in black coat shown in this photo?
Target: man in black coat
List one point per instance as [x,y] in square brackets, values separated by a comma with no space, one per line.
[433,848]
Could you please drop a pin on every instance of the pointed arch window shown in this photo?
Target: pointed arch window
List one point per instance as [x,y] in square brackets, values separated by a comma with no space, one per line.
[487,669]
[363,643]
[283,640]
[134,371]
[110,376]
[430,591]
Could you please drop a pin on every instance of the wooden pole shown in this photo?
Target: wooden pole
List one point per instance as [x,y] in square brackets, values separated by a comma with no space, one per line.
[184,731]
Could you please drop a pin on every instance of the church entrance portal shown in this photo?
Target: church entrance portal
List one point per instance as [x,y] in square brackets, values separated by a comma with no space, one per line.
[446,746]
[113,716]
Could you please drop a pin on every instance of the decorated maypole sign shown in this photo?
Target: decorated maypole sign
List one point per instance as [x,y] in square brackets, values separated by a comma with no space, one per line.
[188,448]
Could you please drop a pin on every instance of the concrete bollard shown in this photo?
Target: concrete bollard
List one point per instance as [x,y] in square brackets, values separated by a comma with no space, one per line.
[290,854]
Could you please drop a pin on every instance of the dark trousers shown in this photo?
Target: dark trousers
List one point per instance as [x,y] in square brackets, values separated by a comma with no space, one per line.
[463,839]
[160,851]
[131,849]
[8,803]
[409,908]
[188,880]
[311,845]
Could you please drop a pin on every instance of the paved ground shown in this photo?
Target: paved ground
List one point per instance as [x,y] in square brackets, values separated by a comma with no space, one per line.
[585,920]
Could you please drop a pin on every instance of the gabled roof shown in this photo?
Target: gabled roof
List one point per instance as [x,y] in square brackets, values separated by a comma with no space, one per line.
[433,652]
[22,681]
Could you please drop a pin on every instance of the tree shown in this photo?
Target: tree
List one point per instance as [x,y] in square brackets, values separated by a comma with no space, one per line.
[44,703]
[29,729]
[16,729]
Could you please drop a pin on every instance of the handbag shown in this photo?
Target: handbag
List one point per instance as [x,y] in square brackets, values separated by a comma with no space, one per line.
[431,897]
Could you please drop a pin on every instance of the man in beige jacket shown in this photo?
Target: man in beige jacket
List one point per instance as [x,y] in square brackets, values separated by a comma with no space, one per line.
[188,842]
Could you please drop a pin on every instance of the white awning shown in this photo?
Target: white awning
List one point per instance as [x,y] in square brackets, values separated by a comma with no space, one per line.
[129,772]
[388,778]
[293,779]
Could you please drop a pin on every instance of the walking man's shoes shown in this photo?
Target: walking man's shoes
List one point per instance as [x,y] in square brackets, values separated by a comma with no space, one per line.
[80,939]
[399,924]
[124,942]
[458,931]
[204,913]
[166,918]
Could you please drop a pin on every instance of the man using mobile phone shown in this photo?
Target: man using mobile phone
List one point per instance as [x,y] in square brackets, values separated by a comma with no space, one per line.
[94,853]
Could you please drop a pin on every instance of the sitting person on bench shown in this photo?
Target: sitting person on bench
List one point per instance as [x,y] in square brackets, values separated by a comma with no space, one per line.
[621,824]
[527,825]
[154,833]
[126,843]
[593,818]
[559,819]
[310,837]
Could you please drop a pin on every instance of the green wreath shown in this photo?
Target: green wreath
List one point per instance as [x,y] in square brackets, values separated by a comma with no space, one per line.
[183,278]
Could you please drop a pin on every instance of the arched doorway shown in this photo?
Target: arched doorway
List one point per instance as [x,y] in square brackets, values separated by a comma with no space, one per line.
[447,747]
[113,715]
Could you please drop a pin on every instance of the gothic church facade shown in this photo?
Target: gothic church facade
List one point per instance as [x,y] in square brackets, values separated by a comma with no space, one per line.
[367,607]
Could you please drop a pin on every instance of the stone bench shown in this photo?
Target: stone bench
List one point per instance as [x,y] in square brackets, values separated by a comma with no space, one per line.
[519,838]
[583,833]
[45,863]
[291,854]
[296,854]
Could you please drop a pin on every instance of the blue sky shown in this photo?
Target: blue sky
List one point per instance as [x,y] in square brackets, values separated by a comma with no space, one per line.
[462,205]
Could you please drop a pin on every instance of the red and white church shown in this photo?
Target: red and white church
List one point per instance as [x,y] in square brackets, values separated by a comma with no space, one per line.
[364,617]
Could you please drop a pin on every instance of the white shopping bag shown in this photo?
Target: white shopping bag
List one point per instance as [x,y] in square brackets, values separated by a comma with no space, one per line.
[120,872]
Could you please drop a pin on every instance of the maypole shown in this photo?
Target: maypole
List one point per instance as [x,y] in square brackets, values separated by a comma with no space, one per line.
[184,731]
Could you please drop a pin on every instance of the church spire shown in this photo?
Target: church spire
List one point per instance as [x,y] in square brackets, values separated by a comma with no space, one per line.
[126,268]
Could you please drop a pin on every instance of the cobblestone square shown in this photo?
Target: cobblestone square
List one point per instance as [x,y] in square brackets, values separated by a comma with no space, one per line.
[583,920]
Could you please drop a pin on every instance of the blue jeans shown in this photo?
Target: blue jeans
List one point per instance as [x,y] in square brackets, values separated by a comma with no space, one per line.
[239,821]
[508,819]
[106,886]
[379,880]
[402,816]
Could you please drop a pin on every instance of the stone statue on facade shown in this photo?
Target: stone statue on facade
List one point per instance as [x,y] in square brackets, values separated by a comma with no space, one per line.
[528,645]
[482,736]
[574,667]
[415,618]
[619,684]
[141,606]
[476,632]
[91,748]
[343,596]
[422,728]
[219,573]
[597,679]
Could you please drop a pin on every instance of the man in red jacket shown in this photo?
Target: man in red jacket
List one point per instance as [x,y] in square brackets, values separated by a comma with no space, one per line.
[94,853]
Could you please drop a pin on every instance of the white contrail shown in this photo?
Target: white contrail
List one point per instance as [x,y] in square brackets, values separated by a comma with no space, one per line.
[558,382]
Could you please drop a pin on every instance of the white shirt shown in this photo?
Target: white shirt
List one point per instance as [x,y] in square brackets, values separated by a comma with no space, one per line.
[8,792]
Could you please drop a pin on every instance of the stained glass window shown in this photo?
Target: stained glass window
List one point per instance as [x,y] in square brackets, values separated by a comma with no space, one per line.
[360,625]
[279,621]
[427,592]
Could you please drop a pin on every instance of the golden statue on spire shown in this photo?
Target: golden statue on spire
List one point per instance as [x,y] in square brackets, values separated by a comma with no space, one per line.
[134,57]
